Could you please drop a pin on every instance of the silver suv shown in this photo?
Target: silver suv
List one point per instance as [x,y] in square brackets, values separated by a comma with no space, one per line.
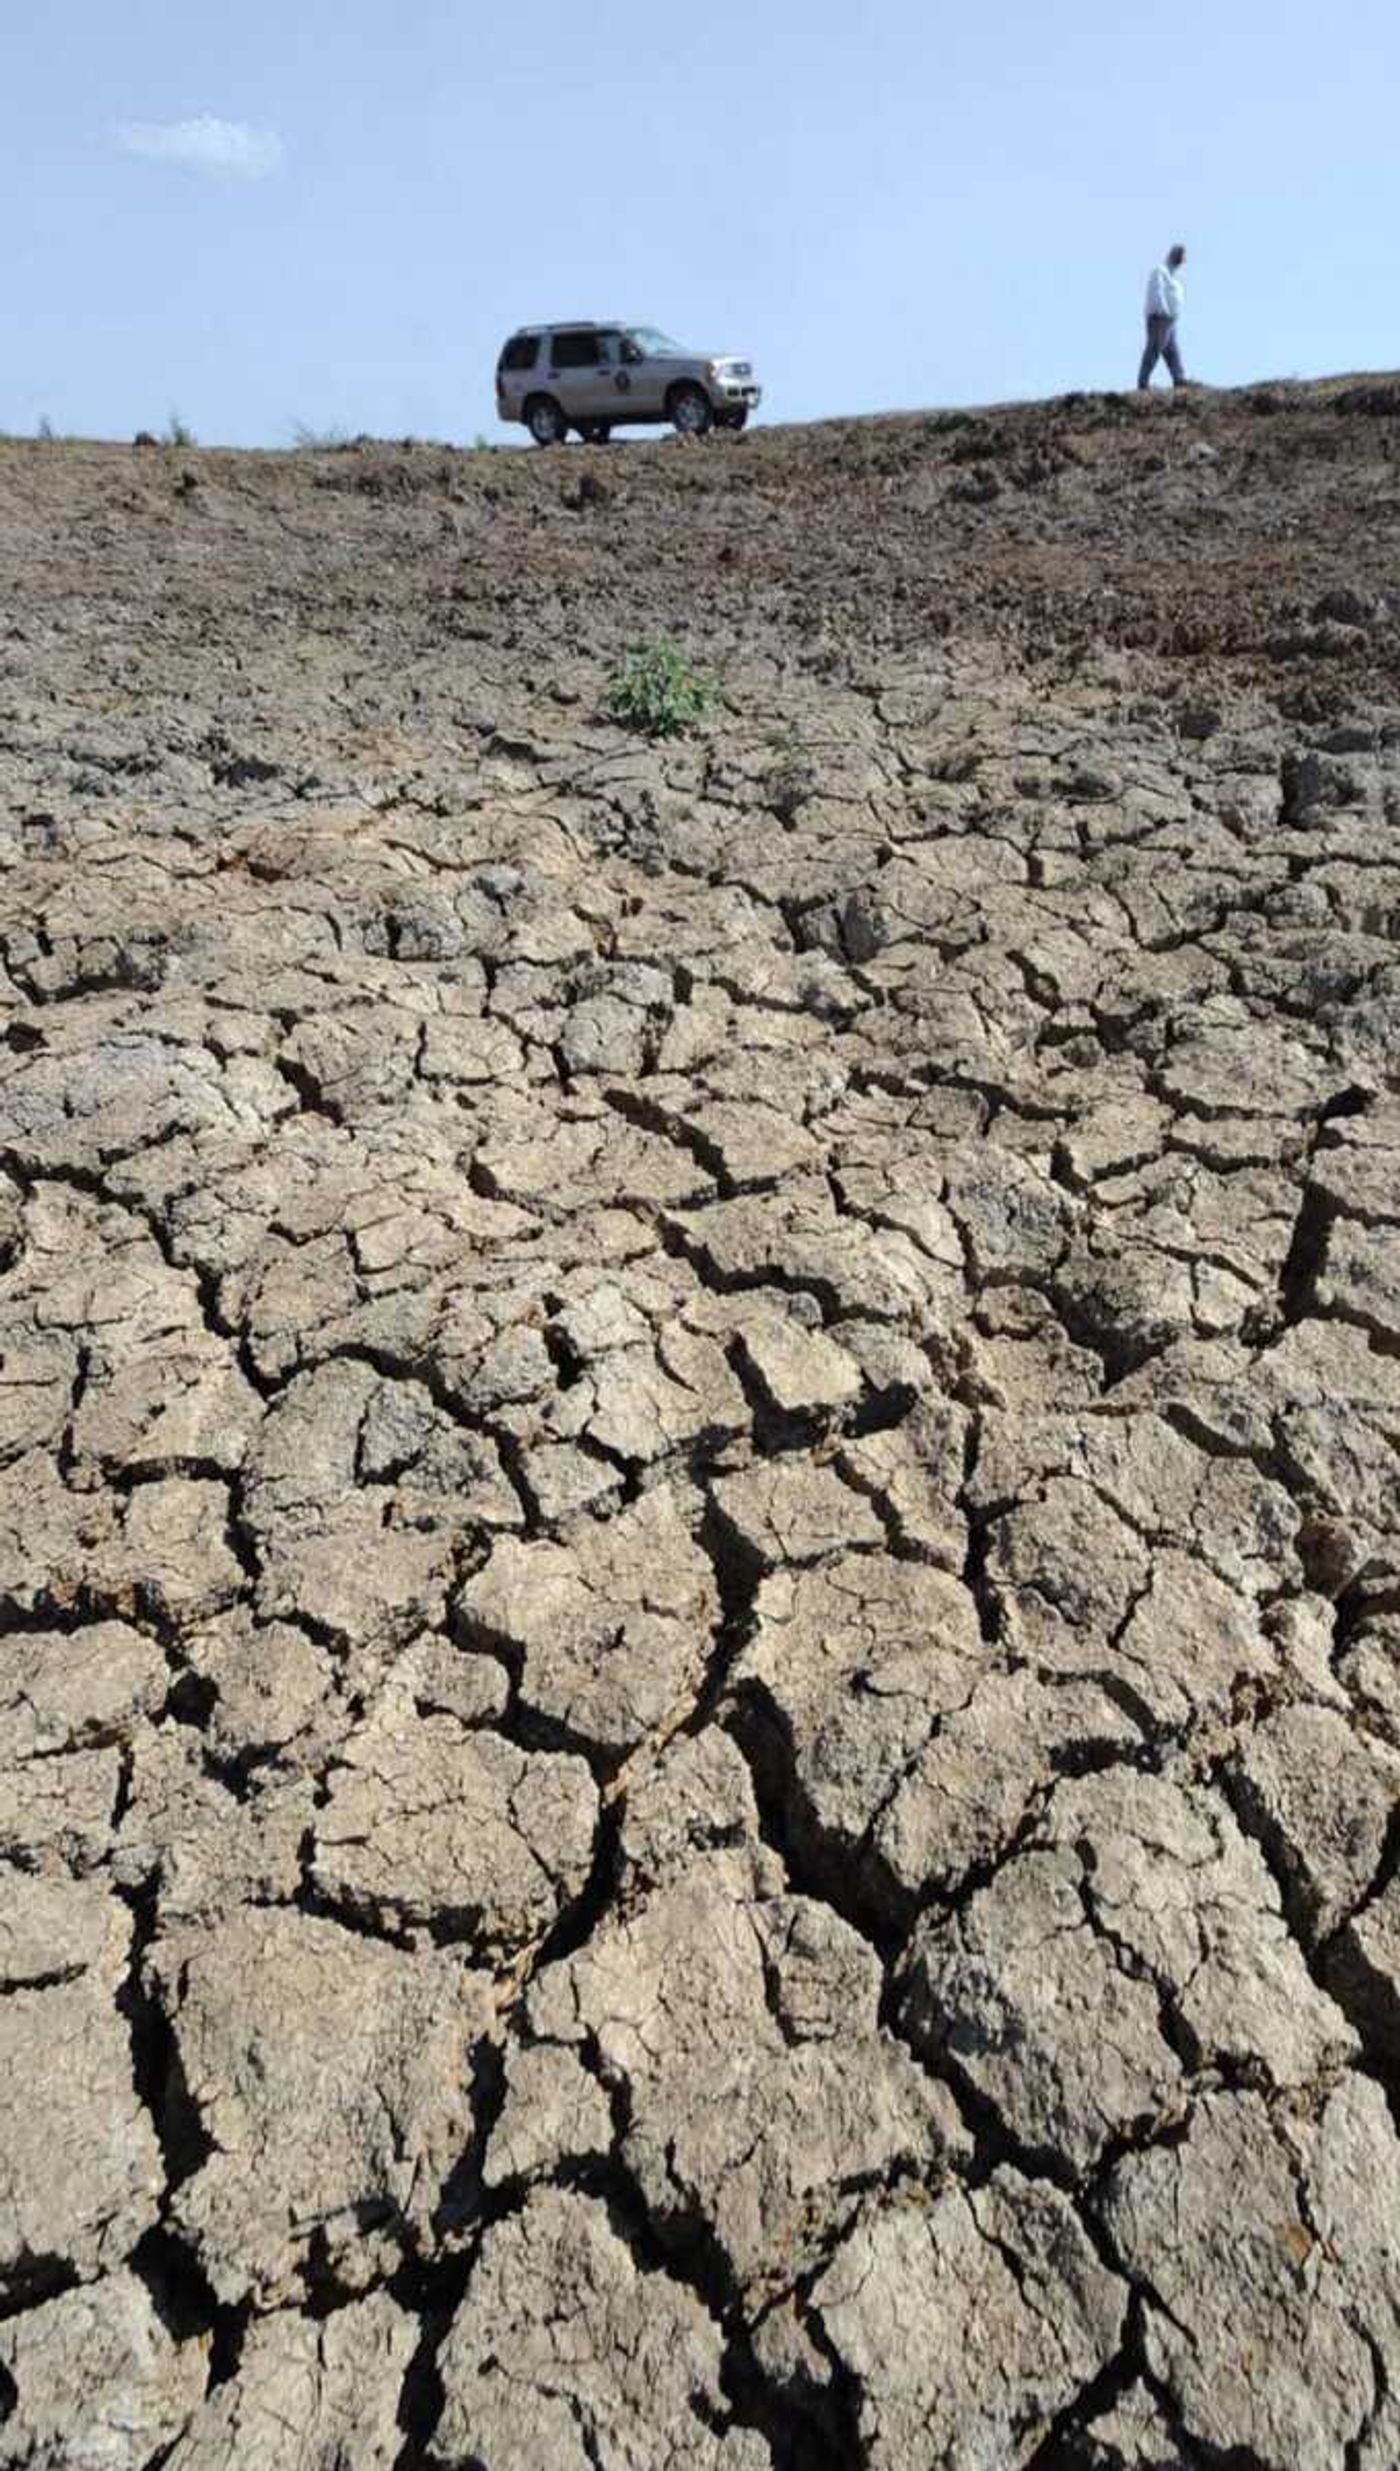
[596,378]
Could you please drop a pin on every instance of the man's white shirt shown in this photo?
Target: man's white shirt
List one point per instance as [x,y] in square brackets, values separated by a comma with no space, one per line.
[1165,293]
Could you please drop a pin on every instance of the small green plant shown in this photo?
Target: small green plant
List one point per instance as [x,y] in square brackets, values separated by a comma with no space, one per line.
[792,775]
[46,430]
[178,432]
[657,692]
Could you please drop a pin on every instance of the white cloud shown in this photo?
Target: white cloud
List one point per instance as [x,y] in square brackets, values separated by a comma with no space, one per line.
[225,149]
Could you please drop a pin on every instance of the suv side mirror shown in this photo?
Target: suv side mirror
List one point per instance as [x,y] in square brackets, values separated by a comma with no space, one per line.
[632,351]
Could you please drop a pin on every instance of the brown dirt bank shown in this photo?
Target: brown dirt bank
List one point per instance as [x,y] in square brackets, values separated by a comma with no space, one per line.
[700,1451]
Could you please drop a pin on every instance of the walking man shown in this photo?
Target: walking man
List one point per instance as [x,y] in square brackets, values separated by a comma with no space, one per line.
[1165,293]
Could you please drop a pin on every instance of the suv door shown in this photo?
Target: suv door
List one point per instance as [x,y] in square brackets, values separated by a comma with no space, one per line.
[645,389]
[613,400]
[573,372]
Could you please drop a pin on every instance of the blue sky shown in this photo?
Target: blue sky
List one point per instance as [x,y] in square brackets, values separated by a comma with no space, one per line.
[329,212]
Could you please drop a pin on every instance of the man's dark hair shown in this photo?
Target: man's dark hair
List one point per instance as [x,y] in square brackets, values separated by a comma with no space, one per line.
[1176,254]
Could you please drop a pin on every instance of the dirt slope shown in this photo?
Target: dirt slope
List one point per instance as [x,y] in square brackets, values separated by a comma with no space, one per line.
[699,1526]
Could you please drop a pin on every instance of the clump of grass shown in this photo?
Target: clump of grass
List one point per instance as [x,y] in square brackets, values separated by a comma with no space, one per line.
[656,692]
[320,441]
[792,775]
[178,432]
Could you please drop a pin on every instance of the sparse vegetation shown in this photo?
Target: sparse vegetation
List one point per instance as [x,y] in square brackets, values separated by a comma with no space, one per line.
[320,441]
[178,432]
[792,777]
[657,692]
[45,430]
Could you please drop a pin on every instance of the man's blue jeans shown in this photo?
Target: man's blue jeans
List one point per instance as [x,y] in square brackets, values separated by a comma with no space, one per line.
[1161,345]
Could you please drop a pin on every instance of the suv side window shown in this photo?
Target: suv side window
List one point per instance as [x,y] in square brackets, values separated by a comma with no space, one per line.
[521,352]
[578,350]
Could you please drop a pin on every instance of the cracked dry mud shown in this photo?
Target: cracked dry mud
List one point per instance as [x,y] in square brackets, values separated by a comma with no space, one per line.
[699,1481]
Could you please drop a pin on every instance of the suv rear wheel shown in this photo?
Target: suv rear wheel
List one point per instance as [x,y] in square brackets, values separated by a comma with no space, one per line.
[690,411]
[545,421]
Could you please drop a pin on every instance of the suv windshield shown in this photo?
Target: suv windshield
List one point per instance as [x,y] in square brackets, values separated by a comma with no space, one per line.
[651,339]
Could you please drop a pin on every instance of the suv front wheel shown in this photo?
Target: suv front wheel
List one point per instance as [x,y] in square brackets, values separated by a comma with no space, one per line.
[545,421]
[690,411]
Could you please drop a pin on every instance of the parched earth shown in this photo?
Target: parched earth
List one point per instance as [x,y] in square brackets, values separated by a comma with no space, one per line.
[699,1481]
